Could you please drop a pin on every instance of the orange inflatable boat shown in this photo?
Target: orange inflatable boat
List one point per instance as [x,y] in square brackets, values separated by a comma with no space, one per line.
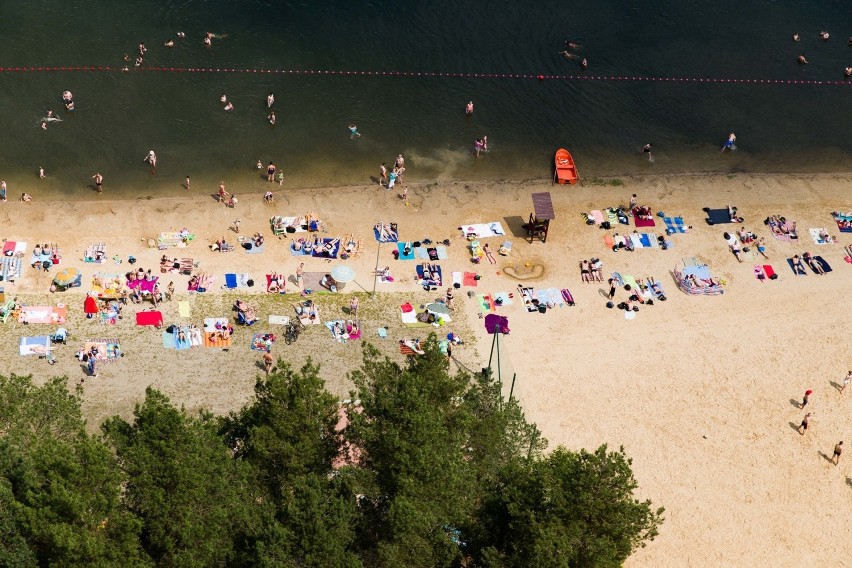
[566,171]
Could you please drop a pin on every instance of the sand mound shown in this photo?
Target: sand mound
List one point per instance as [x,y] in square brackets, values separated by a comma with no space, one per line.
[527,271]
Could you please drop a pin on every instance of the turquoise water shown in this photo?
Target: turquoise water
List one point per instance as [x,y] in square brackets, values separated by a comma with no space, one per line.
[120,116]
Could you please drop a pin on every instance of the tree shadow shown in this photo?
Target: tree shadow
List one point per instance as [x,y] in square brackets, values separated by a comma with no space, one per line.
[795,403]
[795,427]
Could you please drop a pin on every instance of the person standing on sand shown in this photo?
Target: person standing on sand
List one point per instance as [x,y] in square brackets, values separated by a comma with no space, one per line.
[90,365]
[611,289]
[806,398]
[838,449]
[449,299]
[237,226]
[729,145]
[2,190]
[99,182]
[186,183]
[300,276]
[270,172]
[267,362]
[803,427]
[846,381]
[40,172]
[383,174]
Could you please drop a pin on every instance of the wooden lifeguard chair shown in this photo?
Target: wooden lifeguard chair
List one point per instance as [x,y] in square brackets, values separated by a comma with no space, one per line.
[540,218]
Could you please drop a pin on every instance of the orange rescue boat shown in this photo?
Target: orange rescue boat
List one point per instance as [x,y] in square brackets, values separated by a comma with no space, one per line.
[566,170]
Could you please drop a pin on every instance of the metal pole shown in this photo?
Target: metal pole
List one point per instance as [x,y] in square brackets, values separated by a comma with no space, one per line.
[499,374]
[512,388]
[376,270]
[491,356]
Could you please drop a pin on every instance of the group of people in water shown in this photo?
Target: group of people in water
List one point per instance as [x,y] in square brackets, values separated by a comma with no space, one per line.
[824,36]
[567,54]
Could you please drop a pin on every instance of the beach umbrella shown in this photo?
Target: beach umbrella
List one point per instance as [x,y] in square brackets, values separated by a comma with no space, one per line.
[66,276]
[90,305]
[438,308]
[342,273]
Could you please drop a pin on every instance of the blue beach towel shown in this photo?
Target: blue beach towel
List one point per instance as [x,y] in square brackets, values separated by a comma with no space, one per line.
[401,247]
[230,280]
[294,252]
[253,249]
[389,239]
[646,240]
[700,271]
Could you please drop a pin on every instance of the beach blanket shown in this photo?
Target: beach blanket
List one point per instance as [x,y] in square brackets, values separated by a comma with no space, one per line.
[212,336]
[431,253]
[251,249]
[13,248]
[233,281]
[566,295]
[470,279]
[820,241]
[281,224]
[108,349]
[311,281]
[184,309]
[42,314]
[401,248]
[279,320]
[435,279]
[305,318]
[639,222]
[798,271]
[550,297]
[172,239]
[458,278]
[482,230]
[95,253]
[643,240]
[844,222]
[700,271]
[299,252]
[144,285]
[674,224]
[347,334]
[258,343]
[821,260]
[502,299]
[384,236]
[486,303]
[149,318]
[281,281]
[37,345]
[332,253]
[205,281]
[527,297]
[106,286]
[596,216]
[718,216]
[496,324]
[11,268]
[409,316]
[171,339]
[41,259]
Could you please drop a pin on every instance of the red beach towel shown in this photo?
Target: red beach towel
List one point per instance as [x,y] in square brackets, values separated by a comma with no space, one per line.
[469,279]
[149,318]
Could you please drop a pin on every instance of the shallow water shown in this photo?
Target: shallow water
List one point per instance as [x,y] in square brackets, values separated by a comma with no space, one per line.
[120,116]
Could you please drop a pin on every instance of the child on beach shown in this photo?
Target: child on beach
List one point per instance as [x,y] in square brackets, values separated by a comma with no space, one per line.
[729,145]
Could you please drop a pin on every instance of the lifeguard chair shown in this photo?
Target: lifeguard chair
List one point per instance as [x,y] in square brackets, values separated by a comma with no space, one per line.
[540,218]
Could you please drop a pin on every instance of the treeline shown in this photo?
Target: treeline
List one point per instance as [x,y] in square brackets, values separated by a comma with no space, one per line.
[442,472]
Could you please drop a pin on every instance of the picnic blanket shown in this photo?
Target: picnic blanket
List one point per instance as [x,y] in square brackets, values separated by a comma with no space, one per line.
[108,349]
[482,230]
[401,248]
[431,253]
[258,342]
[37,345]
[237,280]
[383,236]
[172,340]
[144,285]
[550,297]
[639,222]
[674,224]
[718,216]
[149,318]
[820,241]
[323,253]
[42,314]
[435,278]
[11,268]
[496,324]
[304,316]
[281,225]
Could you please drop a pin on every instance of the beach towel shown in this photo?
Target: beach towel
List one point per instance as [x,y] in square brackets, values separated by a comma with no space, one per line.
[171,341]
[700,271]
[482,230]
[300,252]
[431,253]
[279,320]
[327,254]
[496,324]
[37,345]
[636,241]
[844,222]
[458,278]
[95,253]
[718,216]
[13,248]
[401,248]
[108,349]
[596,216]
[486,303]
[184,309]
[12,266]
[528,298]
[821,260]
[258,343]
[648,241]
[385,237]
[149,318]
[566,295]
[815,236]
[769,271]
[470,279]
[800,271]
[609,242]
[550,297]
[436,276]
[144,285]
[251,249]
[674,224]
[42,314]
[237,280]
[409,318]
[639,222]
[311,281]
[502,299]
[280,225]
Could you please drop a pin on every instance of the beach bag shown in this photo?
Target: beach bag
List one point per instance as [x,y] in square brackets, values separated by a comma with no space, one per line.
[606,225]
[290,229]
[610,305]
[542,309]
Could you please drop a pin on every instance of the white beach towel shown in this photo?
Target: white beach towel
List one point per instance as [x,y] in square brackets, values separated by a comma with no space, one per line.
[815,236]
[483,230]
[458,278]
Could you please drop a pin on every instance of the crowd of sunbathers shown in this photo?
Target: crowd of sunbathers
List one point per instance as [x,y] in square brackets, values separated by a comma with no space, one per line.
[183,266]
[343,331]
[635,298]
[316,246]
[388,232]
[591,270]
[782,227]
[47,250]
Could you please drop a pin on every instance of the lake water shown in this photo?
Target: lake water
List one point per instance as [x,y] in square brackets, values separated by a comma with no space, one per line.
[120,116]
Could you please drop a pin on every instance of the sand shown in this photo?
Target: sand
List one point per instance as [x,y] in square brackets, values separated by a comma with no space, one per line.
[703,392]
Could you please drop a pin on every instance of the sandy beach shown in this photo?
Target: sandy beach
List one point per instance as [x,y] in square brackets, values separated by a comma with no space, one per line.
[703,392]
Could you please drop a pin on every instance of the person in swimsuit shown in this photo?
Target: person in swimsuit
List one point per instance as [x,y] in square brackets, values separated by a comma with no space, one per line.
[729,145]
[170,43]
[646,149]
[270,100]
[468,110]
[803,427]
[846,381]
[383,174]
[802,60]
[270,172]
[229,106]
[271,118]
[99,182]
[838,449]
[353,131]
[823,35]
[796,37]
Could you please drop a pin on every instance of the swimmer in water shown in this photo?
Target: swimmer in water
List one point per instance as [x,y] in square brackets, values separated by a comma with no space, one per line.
[848,72]
[270,100]
[259,165]
[571,45]
[138,61]
[729,145]
[50,114]
[181,35]
[271,118]
[801,59]
[69,105]
[41,173]
[170,43]
[229,106]
[151,158]
[44,126]
[823,35]
[796,37]
[584,64]
[468,109]
[142,49]
[125,69]
[67,96]
[126,57]
[850,40]
[208,39]
[223,99]
[353,131]
[26,197]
